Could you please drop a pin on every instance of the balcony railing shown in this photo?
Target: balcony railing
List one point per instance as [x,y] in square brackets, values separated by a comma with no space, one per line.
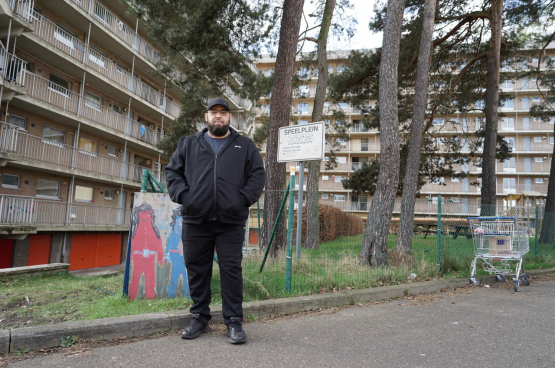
[31,211]
[15,141]
[23,8]
[72,46]
[66,100]
[117,27]
[11,67]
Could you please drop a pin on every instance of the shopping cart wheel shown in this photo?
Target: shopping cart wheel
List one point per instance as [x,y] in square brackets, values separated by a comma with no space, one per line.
[500,278]
[525,280]
[474,281]
[516,285]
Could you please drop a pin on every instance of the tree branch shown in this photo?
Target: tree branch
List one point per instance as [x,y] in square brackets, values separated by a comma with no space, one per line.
[308,39]
[475,15]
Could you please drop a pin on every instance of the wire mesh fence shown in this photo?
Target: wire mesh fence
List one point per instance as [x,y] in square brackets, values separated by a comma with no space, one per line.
[441,243]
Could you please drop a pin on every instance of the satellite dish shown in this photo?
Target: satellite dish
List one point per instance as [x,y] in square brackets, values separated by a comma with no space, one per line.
[120,25]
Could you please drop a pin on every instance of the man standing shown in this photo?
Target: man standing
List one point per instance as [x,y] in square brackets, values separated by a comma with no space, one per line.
[216,175]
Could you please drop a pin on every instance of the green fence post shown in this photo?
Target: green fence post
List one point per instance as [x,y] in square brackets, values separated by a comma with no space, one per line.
[438,231]
[537,229]
[290,230]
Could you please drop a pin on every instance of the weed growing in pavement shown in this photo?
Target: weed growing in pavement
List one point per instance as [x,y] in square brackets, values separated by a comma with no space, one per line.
[68,341]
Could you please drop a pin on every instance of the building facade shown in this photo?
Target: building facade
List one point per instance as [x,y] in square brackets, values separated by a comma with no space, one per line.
[81,115]
[531,139]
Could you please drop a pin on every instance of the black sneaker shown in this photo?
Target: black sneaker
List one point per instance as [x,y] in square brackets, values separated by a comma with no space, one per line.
[235,331]
[197,326]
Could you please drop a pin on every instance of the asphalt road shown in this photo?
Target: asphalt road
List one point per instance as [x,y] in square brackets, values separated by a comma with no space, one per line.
[484,328]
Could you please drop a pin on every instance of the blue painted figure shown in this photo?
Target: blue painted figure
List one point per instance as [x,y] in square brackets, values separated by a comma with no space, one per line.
[174,254]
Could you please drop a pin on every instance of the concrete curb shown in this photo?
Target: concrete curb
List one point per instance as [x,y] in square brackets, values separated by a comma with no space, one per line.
[49,336]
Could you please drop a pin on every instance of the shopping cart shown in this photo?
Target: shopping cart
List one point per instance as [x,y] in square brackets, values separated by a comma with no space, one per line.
[499,239]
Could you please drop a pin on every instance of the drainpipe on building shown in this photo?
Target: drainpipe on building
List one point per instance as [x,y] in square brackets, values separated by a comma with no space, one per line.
[70,195]
[87,44]
[81,93]
[75,142]
[9,32]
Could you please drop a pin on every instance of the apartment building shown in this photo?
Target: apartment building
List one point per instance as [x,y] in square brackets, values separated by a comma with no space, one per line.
[530,138]
[81,114]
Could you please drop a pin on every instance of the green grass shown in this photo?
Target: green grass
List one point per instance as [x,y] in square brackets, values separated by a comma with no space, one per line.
[332,267]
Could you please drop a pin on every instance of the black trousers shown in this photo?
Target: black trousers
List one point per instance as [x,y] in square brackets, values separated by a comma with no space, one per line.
[198,249]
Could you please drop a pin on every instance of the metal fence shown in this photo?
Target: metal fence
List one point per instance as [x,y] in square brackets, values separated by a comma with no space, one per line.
[19,210]
[441,243]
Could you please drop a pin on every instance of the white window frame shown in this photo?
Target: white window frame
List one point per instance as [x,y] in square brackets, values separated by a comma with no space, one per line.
[339,178]
[337,197]
[18,117]
[110,154]
[51,142]
[325,177]
[109,198]
[46,196]
[325,196]
[85,152]
[539,180]
[537,139]
[83,200]
[9,186]
[91,103]
[438,121]
[455,180]
[538,159]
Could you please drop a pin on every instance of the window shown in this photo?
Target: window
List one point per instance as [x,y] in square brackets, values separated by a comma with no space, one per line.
[53,134]
[438,121]
[527,142]
[507,104]
[270,72]
[551,140]
[528,184]
[538,139]
[480,123]
[526,124]
[466,185]
[342,160]
[507,84]
[480,104]
[18,121]
[454,180]
[340,69]
[510,142]
[93,101]
[58,85]
[339,178]
[303,108]
[340,141]
[84,194]
[527,164]
[64,36]
[112,151]
[552,120]
[10,181]
[118,109]
[508,123]
[539,180]
[303,90]
[87,145]
[325,196]
[509,185]
[509,165]
[302,122]
[326,159]
[525,103]
[330,69]
[455,199]
[535,99]
[343,105]
[464,124]
[48,189]
[303,73]
[325,177]
[538,159]
[339,198]
[97,57]
[435,200]
[465,145]
[439,180]
[524,83]
[109,195]
[537,118]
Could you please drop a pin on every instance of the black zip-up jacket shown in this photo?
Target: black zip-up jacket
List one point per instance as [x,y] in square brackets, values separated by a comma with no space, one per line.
[215,187]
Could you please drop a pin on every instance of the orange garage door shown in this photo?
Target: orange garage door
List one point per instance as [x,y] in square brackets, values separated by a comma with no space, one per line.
[94,250]
[39,249]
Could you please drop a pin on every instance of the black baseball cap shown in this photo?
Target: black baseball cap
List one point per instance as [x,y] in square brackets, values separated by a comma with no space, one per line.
[217,101]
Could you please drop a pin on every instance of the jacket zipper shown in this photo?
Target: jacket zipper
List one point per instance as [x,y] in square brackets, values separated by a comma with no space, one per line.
[215,174]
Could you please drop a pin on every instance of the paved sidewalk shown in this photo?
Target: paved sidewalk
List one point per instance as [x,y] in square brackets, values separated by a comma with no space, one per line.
[487,327]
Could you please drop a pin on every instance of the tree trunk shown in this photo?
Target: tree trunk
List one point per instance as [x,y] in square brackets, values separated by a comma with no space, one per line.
[406,222]
[489,180]
[374,244]
[312,206]
[548,223]
[279,117]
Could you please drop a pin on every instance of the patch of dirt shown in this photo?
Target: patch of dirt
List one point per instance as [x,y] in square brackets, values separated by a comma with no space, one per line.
[398,259]
[508,284]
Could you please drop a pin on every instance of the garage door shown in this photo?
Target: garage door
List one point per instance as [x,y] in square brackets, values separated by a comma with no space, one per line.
[6,251]
[94,250]
[39,249]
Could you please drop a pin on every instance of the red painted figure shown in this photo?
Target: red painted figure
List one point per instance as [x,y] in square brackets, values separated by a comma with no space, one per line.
[146,251]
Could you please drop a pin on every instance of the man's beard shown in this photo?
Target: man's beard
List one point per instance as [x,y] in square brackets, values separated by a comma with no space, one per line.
[218,131]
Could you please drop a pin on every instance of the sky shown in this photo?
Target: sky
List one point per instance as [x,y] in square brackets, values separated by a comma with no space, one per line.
[363,39]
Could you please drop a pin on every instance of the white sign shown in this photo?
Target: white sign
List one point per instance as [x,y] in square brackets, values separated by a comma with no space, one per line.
[301,142]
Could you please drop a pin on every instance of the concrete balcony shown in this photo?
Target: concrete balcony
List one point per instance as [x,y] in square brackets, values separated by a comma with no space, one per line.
[12,77]
[86,58]
[27,215]
[54,101]
[19,12]
[23,149]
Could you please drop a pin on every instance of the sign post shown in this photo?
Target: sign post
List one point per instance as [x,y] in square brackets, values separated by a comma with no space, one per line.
[301,143]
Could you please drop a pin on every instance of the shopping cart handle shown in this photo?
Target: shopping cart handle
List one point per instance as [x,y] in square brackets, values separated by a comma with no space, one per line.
[491,218]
